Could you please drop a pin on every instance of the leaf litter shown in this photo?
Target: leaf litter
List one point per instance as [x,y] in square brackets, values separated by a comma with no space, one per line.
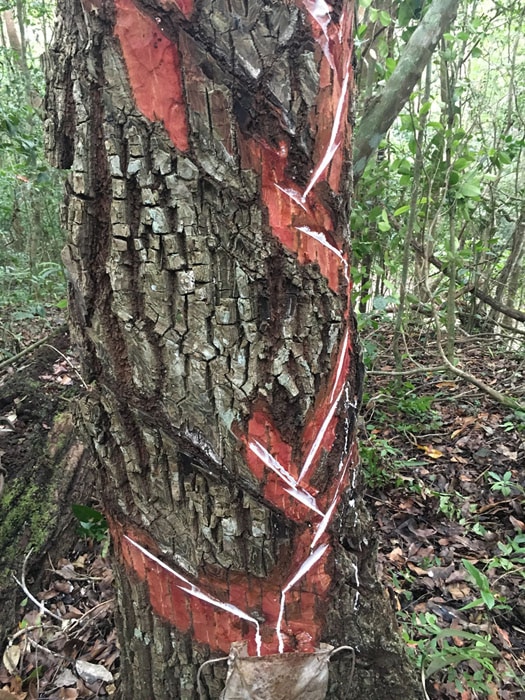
[73,653]
[451,521]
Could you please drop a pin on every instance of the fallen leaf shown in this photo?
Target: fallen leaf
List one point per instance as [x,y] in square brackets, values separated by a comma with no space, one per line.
[91,673]
[503,637]
[508,453]
[396,555]
[11,658]
[66,678]
[416,569]
[518,524]
[459,591]
[432,452]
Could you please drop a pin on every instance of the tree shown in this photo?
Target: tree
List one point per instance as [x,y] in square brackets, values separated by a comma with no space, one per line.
[206,211]
[381,113]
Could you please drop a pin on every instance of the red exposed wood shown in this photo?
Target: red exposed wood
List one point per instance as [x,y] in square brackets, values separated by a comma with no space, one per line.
[291,214]
[185,6]
[335,44]
[299,218]
[153,63]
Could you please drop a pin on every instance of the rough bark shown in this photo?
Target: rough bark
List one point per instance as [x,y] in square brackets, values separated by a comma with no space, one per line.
[382,111]
[44,467]
[208,254]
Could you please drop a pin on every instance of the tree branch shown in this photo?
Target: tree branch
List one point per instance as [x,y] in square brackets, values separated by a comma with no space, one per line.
[516,314]
[381,114]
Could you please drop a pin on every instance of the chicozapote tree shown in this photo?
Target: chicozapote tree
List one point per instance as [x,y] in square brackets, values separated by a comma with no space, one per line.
[206,208]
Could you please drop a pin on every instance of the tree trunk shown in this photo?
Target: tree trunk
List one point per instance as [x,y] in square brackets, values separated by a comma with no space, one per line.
[207,217]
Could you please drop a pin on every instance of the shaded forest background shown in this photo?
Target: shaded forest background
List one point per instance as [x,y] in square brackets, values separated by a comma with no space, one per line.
[438,226]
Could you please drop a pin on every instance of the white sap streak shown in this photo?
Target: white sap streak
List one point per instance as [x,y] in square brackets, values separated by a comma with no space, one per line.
[342,21]
[318,438]
[356,574]
[340,364]
[157,560]
[321,528]
[305,498]
[357,585]
[325,162]
[227,607]
[303,569]
[197,593]
[294,490]
[280,622]
[270,461]
[294,195]
[332,146]
[320,12]
[318,236]
[321,238]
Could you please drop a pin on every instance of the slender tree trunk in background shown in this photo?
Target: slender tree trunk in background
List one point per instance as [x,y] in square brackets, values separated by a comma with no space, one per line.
[509,279]
[516,272]
[415,193]
[207,215]
[11,31]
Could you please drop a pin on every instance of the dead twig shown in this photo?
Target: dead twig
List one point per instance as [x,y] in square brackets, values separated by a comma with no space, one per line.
[43,341]
[408,372]
[39,603]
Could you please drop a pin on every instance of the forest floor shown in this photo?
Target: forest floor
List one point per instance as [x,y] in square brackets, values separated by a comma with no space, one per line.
[444,469]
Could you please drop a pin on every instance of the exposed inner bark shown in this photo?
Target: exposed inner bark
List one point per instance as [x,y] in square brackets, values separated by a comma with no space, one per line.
[210,285]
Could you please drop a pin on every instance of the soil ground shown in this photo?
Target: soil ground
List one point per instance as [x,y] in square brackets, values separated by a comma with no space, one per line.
[444,468]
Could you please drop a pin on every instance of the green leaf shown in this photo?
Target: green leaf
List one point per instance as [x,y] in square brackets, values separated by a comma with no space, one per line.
[85,514]
[380,303]
[461,163]
[488,599]
[425,108]
[441,661]
[438,126]
[390,64]
[479,578]
[402,210]
[469,188]
[384,18]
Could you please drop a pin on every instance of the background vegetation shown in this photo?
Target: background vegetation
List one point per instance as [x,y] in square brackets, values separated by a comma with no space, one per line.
[31,275]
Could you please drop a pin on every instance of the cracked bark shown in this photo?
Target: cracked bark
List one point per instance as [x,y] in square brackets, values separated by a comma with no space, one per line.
[206,210]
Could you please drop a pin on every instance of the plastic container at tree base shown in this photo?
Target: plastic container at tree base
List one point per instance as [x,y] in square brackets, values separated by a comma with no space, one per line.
[293,676]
